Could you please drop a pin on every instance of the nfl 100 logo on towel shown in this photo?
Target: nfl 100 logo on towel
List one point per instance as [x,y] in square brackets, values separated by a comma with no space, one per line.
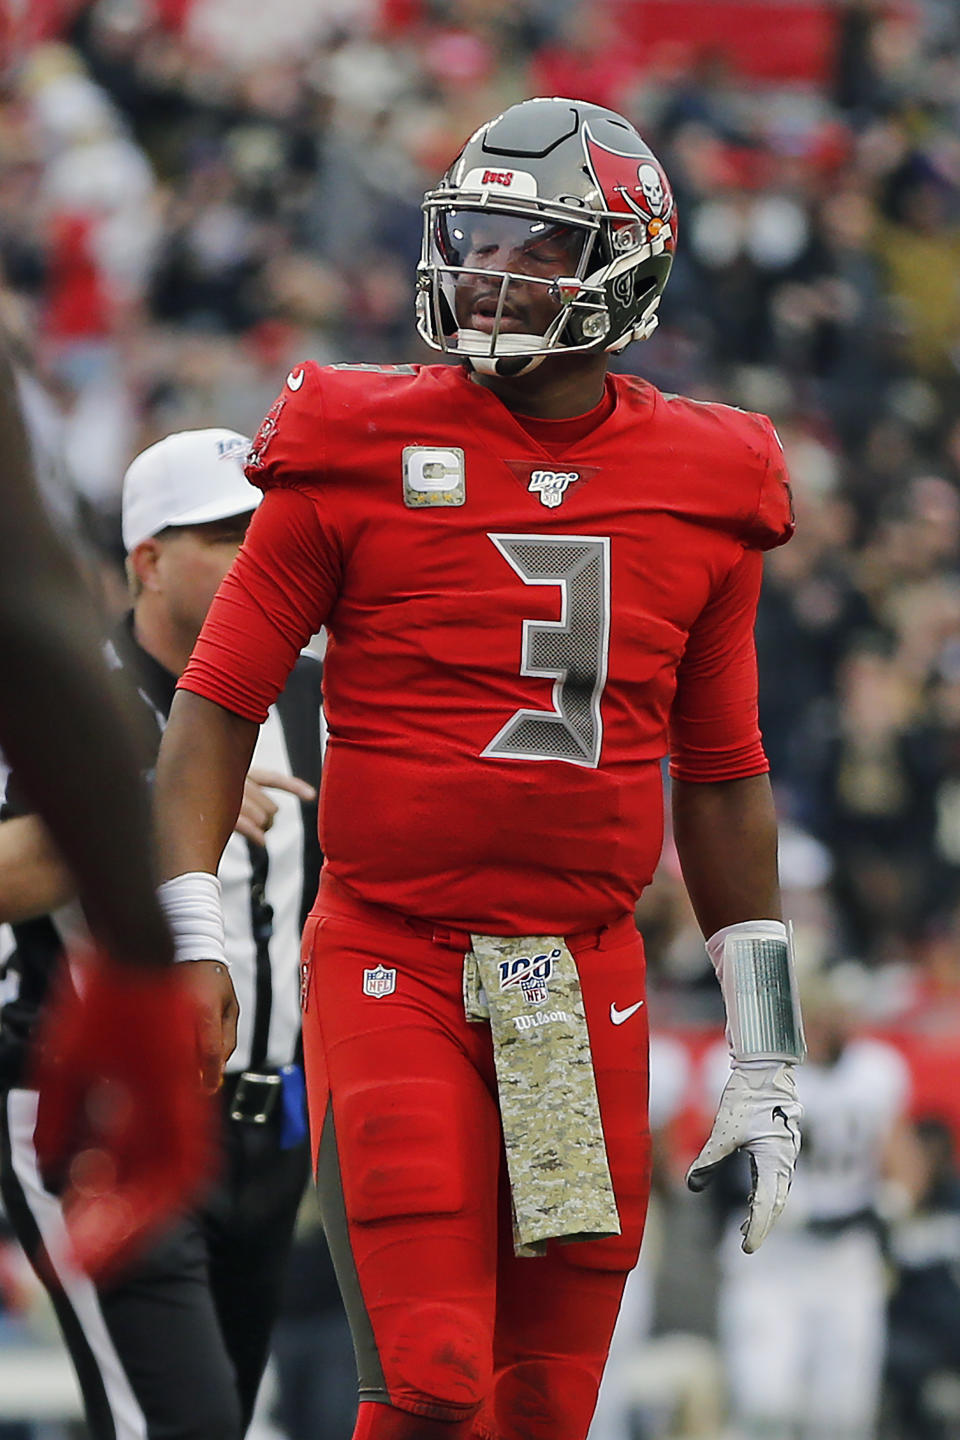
[379,981]
[530,974]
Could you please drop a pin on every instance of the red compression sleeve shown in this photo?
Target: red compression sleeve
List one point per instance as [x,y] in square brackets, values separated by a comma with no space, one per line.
[278,593]
[714,733]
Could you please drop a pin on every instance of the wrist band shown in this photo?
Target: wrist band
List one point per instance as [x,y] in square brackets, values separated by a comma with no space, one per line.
[754,964]
[191,903]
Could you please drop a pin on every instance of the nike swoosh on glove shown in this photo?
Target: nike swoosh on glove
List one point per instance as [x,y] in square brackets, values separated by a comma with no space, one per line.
[123,1128]
[758,1112]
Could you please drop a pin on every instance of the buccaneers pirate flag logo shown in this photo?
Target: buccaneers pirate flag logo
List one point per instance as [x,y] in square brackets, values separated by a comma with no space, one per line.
[633,185]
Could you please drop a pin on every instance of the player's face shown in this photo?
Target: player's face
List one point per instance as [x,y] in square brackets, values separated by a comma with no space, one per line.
[487,241]
[194,559]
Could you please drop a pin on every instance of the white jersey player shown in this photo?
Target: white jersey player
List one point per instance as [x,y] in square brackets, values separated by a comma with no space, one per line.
[802,1323]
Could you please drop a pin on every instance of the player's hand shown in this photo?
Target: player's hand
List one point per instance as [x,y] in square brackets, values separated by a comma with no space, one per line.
[216,1012]
[258,809]
[759,1112]
[123,1128]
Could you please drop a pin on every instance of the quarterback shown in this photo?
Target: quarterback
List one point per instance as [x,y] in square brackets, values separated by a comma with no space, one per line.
[537,580]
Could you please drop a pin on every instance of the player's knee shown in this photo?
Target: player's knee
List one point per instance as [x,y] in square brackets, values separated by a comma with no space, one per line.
[407,1159]
[441,1362]
[545,1400]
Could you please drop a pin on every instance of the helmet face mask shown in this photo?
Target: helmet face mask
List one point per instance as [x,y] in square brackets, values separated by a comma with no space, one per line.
[507,283]
[552,232]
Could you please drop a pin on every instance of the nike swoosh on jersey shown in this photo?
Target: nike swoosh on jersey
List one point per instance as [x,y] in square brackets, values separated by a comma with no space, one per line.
[617,1017]
[295,379]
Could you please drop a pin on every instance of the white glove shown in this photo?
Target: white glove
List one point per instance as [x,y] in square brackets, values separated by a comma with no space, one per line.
[758,1112]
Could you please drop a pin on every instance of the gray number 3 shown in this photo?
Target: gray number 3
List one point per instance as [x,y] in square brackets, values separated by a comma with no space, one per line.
[571,651]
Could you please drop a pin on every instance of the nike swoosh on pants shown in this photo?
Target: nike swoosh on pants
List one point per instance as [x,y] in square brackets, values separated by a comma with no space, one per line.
[617,1017]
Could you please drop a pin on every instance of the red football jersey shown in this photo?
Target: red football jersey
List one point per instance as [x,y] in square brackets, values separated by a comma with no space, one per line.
[515,639]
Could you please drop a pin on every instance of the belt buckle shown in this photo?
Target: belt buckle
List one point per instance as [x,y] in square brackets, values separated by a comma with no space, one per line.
[254,1097]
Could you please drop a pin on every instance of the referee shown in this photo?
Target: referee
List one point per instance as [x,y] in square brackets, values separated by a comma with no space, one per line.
[176,1349]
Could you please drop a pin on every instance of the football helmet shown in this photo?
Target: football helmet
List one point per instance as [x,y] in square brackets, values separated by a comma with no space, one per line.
[554,200]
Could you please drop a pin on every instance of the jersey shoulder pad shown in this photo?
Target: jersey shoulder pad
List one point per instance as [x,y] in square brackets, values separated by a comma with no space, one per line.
[742,451]
[319,408]
[773,521]
[287,449]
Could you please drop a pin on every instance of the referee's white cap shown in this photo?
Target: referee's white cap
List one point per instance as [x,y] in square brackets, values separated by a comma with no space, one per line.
[190,478]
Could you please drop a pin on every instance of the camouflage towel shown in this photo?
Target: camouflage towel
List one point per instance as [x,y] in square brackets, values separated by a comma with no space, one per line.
[528,988]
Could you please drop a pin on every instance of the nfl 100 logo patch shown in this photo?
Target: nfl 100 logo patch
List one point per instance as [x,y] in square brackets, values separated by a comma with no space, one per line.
[530,973]
[551,485]
[381,980]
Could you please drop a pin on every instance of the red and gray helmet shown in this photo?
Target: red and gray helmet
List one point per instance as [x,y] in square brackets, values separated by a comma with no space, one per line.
[551,167]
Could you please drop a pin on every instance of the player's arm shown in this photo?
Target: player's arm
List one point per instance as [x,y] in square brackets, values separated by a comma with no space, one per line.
[33,877]
[725,825]
[203,762]
[201,769]
[726,836]
[275,596]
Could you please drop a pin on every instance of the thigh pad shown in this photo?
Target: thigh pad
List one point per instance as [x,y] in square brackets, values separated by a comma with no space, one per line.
[402,1150]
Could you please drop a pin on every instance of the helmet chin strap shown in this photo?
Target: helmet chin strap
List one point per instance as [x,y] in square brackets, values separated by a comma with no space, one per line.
[476,345]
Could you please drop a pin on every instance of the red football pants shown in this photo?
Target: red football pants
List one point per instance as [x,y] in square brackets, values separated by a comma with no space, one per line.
[448,1324]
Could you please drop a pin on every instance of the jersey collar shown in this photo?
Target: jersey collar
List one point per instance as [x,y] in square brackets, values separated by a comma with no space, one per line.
[493,409]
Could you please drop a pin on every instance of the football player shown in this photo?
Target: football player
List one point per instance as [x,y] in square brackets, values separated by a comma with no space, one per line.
[537,578]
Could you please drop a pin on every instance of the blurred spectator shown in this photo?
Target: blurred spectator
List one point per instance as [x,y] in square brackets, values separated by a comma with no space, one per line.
[923,1351]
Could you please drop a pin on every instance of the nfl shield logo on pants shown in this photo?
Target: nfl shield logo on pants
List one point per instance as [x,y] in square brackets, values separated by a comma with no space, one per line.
[379,981]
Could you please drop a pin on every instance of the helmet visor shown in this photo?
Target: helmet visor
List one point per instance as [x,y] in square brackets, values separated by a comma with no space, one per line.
[517,244]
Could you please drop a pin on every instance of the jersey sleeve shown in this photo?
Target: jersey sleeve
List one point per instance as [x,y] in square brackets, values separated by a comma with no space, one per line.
[288,450]
[714,732]
[772,523]
[278,593]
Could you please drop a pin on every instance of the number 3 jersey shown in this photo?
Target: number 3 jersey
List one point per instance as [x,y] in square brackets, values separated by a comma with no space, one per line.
[518,633]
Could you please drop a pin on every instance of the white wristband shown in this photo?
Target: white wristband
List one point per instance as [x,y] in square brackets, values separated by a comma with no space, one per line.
[191,903]
[754,964]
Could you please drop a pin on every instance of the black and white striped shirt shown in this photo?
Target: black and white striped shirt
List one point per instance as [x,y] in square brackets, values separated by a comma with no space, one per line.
[266,890]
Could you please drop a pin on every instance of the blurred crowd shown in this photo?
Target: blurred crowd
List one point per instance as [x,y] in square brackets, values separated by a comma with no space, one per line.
[197,194]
